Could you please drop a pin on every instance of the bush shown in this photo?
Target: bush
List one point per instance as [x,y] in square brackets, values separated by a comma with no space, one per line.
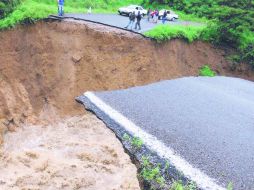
[26,11]
[6,6]
[232,22]
[206,71]
[235,28]
[166,32]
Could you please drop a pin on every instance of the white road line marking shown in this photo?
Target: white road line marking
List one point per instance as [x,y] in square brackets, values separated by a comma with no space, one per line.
[203,181]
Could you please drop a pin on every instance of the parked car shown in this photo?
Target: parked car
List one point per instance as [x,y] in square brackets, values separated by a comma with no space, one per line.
[129,9]
[170,15]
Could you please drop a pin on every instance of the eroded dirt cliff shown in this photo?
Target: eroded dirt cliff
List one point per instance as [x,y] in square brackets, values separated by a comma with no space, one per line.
[51,63]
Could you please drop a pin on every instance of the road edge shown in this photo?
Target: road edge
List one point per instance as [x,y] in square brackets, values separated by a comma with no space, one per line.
[95,104]
[96,22]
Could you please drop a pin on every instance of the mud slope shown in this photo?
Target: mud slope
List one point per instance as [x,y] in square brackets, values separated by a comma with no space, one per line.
[75,153]
[51,63]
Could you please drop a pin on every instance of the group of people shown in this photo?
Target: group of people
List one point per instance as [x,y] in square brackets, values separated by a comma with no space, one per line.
[154,16]
[135,15]
[151,16]
[132,18]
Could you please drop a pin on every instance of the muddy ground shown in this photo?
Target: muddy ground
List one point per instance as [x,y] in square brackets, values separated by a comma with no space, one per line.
[48,64]
[74,153]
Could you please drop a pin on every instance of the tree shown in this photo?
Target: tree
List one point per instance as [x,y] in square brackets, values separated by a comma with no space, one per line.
[6,6]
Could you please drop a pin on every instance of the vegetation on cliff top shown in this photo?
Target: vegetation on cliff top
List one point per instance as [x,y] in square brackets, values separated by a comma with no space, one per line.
[166,32]
[231,22]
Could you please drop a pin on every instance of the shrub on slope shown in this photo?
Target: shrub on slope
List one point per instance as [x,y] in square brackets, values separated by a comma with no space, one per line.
[167,32]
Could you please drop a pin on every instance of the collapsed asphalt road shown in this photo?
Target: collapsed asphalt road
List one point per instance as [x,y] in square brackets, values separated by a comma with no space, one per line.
[203,126]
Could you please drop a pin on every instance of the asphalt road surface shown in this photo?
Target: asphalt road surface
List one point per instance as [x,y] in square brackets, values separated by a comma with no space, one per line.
[209,122]
[122,21]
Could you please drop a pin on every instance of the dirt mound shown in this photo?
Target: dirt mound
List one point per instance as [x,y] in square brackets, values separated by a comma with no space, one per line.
[51,63]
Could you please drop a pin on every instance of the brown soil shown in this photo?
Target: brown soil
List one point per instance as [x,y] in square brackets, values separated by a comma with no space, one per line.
[74,153]
[43,67]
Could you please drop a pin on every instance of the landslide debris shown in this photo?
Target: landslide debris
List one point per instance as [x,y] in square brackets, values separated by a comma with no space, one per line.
[75,153]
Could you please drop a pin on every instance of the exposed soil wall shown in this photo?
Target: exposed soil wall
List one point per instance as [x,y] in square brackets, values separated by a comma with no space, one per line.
[52,63]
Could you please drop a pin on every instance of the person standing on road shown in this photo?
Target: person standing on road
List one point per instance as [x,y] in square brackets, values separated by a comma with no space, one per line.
[138,21]
[164,17]
[152,14]
[60,7]
[149,14]
[132,17]
[156,16]
[89,11]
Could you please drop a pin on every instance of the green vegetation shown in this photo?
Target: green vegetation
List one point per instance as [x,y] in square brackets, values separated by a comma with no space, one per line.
[135,142]
[190,17]
[151,173]
[126,137]
[231,22]
[166,32]
[31,10]
[6,6]
[26,12]
[230,186]
[206,71]
[177,185]
[154,175]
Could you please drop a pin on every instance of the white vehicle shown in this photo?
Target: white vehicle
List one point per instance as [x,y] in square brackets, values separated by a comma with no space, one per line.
[131,8]
[170,15]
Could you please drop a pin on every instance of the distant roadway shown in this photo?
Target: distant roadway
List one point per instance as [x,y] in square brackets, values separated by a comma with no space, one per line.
[122,21]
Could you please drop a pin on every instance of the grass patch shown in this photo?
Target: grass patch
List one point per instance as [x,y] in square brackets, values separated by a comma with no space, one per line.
[206,71]
[135,142]
[177,185]
[166,32]
[152,173]
[155,175]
